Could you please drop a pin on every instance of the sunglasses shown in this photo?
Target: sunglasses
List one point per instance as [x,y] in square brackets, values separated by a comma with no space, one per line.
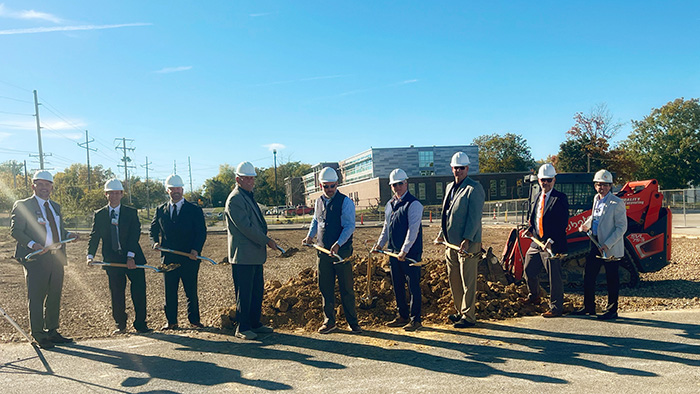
[461,168]
[330,186]
[398,184]
[601,184]
[546,180]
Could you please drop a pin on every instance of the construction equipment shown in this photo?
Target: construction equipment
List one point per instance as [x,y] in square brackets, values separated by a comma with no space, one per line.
[647,240]
[179,253]
[160,269]
[326,251]
[54,246]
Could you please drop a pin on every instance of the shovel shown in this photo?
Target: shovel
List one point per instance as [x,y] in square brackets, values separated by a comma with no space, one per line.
[368,302]
[287,253]
[53,246]
[161,269]
[414,263]
[17,327]
[326,251]
[547,246]
[177,252]
[602,256]
[457,248]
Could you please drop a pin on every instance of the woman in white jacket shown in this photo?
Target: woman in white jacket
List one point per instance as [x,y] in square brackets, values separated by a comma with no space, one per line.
[608,223]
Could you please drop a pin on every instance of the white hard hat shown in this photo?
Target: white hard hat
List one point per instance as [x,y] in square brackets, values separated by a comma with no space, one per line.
[546,171]
[396,176]
[603,176]
[459,159]
[245,169]
[113,185]
[43,175]
[174,181]
[327,174]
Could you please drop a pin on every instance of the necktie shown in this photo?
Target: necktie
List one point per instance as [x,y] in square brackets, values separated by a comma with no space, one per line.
[174,215]
[52,223]
[114,231]
[540,227]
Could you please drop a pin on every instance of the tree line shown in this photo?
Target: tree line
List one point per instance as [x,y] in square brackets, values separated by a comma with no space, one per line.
[664,145]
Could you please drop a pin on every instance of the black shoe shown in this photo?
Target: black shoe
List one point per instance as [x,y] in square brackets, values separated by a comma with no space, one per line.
[355,328]
[582,312]
[463,323]
[169,326]
[58,338]
[455,317]
[398,322]
[143,330]
[327,328]
[45,343]
[198,325]
[119,331]
[610,315]
[413,326]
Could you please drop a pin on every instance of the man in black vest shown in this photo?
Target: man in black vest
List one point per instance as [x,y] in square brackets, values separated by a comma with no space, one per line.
[179,225]
[402,228]
[334,219]
[119,229]
[37,224]
[549,218]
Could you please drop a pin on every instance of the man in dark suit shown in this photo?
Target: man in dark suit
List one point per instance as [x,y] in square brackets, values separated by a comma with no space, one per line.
[549,217]
[37,224]
[119,229]
[247,238]
[179,225]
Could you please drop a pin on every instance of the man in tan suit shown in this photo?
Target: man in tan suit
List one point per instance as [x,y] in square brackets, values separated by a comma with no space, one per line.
[461,226]
[37,224]
[247,238]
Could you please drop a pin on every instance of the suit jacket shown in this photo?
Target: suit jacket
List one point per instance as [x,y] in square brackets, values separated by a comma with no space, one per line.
[25,227]
[612,225]
[463,219]
[554,221]
[129,233]
[246,228]
[188,232]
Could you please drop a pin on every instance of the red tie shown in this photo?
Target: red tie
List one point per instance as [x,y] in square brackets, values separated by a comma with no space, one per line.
[540,227]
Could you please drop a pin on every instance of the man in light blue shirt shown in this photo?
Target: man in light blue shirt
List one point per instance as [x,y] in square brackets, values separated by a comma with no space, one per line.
[333,224]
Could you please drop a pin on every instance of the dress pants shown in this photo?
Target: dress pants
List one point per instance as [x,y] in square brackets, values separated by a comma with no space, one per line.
[462,272]
[327,272]
[535,259]
[612,277]
[248,286]
[117,286]
[188,273]
[44,277]
[402,273]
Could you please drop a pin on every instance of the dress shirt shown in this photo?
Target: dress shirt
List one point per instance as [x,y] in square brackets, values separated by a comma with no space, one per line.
[179,205]
[347,219]
[415,214]
[49,234]
[598,212]
[539,203]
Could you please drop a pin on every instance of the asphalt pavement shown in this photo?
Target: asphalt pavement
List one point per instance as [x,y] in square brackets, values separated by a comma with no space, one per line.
[650,352]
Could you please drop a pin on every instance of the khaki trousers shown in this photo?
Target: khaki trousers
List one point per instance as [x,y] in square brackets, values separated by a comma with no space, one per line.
[462,271]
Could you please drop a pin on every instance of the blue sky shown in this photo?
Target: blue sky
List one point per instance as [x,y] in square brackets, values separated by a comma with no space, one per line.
[223,81]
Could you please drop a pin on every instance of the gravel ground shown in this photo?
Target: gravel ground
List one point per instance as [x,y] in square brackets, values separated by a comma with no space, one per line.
[86,310]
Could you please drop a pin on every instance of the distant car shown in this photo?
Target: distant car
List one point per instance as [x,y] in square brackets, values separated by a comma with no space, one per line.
[298,210]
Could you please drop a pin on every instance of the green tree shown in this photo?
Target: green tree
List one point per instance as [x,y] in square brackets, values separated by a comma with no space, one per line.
[265,191]
[13,186]
[77,197]
[143,193]
[217,189]
[665,145]
[506,153]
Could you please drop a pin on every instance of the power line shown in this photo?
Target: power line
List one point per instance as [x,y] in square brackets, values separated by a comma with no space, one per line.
[14,99]
[126,161]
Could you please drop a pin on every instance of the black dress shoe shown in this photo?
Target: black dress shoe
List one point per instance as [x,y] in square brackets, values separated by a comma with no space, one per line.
[143,330]
[608,316]
[454,318]
[119,331]
[198,325]
[582,312]
[58,338]
[45,343]
[169,326]
[463,323]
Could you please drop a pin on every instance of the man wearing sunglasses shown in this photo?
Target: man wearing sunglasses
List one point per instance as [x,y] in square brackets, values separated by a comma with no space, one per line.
[402,229]
[333,224]
[549,217]
[461,226]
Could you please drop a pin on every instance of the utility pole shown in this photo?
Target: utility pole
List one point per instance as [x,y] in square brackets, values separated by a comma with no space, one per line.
[189,165]
[126,161]
[87,149]
[148,196]
[38,131]
[274,153]
[174,166]
[26,176]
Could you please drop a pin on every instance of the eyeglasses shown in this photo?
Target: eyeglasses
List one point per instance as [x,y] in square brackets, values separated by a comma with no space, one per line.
[330,186]
[461,168]
[398,183]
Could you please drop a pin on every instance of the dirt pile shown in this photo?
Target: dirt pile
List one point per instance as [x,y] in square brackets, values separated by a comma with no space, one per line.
[296,304]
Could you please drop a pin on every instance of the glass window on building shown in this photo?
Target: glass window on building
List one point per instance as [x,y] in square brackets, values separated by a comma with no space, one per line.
[503,188]
[425,159]
[412,188]
[493,186]
[439,190]
[421,191]
[427,172]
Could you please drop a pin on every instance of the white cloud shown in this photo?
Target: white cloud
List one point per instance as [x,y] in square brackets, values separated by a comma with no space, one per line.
[28,14]
[274,146]
[168,70]
[69,28]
